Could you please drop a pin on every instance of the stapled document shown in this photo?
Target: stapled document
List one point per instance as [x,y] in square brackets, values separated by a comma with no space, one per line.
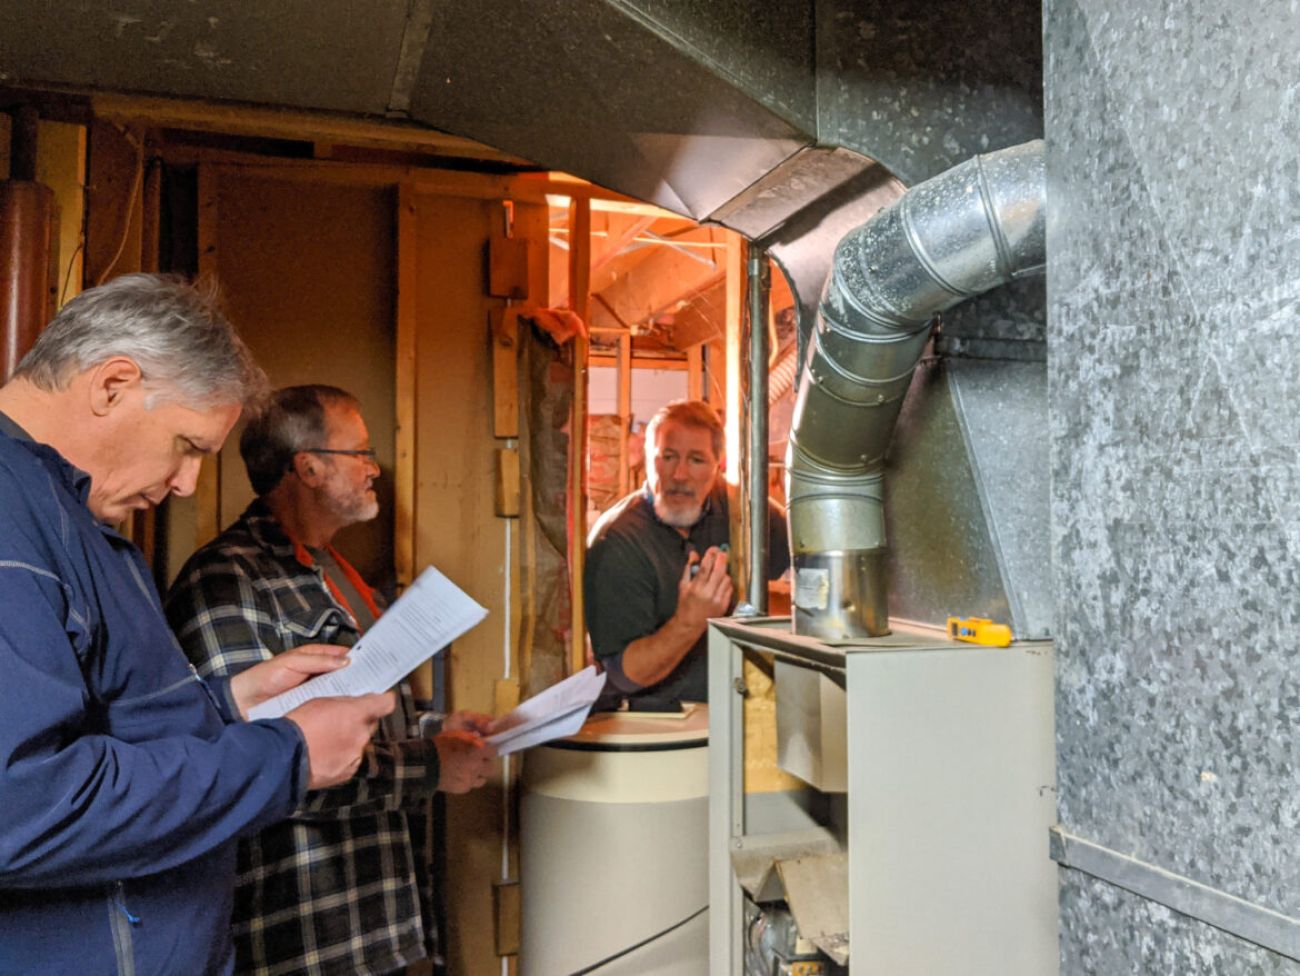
[431,614]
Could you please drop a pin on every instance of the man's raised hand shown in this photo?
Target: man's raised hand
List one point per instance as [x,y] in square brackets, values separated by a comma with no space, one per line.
[705,592]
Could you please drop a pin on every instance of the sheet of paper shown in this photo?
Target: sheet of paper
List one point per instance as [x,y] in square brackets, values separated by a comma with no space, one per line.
[431,614]
[517,741]
[559,710]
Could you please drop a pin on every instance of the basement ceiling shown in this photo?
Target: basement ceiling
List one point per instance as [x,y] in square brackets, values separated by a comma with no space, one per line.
[788,120]
[338,55]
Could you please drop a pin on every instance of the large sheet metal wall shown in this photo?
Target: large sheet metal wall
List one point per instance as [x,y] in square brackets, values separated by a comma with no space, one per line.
[1176,482]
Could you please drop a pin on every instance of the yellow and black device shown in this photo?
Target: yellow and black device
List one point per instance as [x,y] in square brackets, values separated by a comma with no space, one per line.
[979,630]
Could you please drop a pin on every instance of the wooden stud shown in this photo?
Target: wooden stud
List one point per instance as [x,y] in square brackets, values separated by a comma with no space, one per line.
[695,372]
[207,493]
[285,124]
[507,482]
[151,218]
[505,371]
[640,362]
[508,264]
[579,283]
[737,407]
[457,528]
[506,696]
[405,388]
[507,915]
[522,187]
[624,409]
[113,191]
[61,165]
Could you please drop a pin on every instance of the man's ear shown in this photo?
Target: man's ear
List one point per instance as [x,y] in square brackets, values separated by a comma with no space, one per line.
[110,381]
[308,469]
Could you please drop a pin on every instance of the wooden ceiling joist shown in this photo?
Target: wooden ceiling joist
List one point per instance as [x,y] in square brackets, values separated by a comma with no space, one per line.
[273,123]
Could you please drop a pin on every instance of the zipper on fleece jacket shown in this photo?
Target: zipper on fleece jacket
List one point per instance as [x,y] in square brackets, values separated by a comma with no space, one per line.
[121,921]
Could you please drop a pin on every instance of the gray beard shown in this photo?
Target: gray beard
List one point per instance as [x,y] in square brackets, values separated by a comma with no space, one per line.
[679,518]
[353,509]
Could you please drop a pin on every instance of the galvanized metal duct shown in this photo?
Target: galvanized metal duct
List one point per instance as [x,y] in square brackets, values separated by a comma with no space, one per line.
[962,233]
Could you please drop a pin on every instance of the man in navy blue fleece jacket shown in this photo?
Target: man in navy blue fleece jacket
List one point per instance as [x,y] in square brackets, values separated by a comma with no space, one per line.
[124,779]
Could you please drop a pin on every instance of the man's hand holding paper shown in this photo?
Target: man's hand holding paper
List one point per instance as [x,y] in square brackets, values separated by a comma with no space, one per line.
[558,711]
[429,615]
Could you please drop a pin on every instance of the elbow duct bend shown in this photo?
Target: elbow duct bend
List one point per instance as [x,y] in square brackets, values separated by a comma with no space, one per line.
[958,235]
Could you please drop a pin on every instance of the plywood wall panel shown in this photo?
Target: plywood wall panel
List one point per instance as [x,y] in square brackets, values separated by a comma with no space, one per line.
[309,277]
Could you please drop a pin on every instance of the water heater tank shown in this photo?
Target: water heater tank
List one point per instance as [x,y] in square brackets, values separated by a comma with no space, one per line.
[614,848]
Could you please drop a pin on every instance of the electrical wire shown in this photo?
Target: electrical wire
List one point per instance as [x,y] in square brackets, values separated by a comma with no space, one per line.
[130,204]
[72,261]
[644,942]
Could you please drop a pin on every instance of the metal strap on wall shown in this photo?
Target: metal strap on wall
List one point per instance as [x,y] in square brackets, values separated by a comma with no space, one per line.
[1254,923]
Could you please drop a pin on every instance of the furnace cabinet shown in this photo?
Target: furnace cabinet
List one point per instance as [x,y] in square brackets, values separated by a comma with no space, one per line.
[944,752]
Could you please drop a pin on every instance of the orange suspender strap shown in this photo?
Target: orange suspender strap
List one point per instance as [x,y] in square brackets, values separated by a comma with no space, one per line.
[303,555]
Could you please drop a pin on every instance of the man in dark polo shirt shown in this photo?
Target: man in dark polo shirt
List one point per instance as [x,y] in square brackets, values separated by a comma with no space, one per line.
[657,561]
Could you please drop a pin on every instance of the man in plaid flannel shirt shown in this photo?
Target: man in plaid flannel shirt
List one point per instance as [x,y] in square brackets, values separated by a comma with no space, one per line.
[338,887]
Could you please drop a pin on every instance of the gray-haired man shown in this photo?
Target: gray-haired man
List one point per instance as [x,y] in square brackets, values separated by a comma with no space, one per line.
[127,780]
[271,582]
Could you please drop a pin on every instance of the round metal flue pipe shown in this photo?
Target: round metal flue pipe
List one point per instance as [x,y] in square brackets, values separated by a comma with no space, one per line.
[970,229]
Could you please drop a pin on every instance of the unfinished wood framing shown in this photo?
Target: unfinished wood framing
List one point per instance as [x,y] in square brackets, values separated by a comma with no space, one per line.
[207,493]
[61,165]
[114,201]
[405,392]
[579,282]
[458,530]
[504,330]
[324,127]
[695,375]
[624,408]
[531,187]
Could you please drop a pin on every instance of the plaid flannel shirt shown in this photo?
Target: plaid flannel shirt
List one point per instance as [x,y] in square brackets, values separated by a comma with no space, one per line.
[340,887]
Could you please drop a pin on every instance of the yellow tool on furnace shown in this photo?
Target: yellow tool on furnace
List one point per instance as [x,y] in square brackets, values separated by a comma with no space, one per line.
[979,630]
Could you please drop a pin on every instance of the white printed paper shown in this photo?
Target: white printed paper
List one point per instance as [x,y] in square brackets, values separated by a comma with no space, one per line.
[431,614]
[558,711]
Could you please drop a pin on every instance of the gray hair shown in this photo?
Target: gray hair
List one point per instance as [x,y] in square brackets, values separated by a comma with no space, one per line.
[185,347]
[688,413]
[293,420]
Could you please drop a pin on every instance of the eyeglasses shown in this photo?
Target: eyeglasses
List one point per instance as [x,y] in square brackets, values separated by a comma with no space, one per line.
[365,452]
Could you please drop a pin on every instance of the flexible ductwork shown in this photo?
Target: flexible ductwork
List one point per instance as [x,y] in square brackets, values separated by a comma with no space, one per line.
[962,233]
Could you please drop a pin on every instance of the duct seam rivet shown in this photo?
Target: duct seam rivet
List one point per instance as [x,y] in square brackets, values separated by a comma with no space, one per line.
[739,685]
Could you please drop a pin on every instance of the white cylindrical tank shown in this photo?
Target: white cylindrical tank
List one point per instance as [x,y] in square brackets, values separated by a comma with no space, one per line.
[613,842]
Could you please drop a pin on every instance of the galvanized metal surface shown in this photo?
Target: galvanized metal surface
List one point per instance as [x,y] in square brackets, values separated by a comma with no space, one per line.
[943,559]
[921,86]
[1175,475]
[797,184]
[958,235]
[765,48]
[1271,930]
[832,595]
[324,54]
[582,86]
[1002,408]
[1106,929]
[804,244]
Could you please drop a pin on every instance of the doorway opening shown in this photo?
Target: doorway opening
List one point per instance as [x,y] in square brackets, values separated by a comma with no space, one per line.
[665,300]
